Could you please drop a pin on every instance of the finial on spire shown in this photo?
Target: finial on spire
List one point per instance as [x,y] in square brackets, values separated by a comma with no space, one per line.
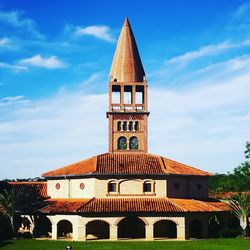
[126,22]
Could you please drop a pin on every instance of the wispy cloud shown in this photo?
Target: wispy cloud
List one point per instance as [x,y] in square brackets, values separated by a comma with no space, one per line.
[51,62]
[10,100]
[201,125]
[15,20]
[240,20]
[242,10]
[208,50]
[14,67]
[4,42]
[99,31]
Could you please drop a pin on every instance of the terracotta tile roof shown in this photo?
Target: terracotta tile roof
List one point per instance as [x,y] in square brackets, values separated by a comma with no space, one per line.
[208,205]
[78,168]
[126,163]
[127,65]
[39,187]
[129,164]
[130,205]
[29,196]
[63,205]
[121,205]
[174,167]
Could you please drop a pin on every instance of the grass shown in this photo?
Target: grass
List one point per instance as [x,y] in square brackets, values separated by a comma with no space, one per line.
[215,244]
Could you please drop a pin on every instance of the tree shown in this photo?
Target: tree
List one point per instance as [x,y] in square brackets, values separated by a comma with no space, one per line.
[19,198]
[240,204]
[7,203]
[238,181]
[242,172]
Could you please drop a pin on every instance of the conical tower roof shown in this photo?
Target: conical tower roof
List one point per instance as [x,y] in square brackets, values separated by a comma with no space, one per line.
[127,65]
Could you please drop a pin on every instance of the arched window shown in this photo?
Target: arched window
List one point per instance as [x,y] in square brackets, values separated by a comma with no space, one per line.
[125,127]
[122,143]
[119,126]
[147,186]
[133,143]
[130,126]
[136,126]
[112,186]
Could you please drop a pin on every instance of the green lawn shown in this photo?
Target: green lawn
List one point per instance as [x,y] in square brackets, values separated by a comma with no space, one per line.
[228,244]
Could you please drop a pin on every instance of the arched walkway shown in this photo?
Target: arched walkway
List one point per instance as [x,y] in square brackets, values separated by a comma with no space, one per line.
[64,229]
[165,229]
[98,229]
[131,227]
[42,227]
[195,229]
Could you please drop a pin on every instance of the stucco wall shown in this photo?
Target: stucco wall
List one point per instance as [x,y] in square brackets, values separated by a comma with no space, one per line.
[198,187]
[187,187]
[173,190]
[93,187]
[74,188]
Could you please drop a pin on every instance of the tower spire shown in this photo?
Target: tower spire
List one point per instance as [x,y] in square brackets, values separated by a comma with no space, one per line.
[127,65]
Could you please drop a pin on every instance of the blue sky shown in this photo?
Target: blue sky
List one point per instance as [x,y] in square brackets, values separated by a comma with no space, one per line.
[55,58]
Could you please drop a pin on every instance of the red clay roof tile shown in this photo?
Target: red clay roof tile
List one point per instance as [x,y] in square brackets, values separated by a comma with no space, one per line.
[126,163]
[114,205]
[40,187]
[63,205]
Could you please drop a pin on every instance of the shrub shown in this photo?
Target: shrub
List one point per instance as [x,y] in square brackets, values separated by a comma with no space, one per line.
[5,228]
[229,233]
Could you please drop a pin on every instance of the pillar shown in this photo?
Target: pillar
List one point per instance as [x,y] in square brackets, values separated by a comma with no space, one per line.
[122,97]
[113,232]
[181,232]
[79,232]
[54,231]
[133,97]
[149,232]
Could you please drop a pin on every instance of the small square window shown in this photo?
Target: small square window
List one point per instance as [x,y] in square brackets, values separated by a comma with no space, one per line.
[176,185]
[199,186]
[147,187]
[112,187]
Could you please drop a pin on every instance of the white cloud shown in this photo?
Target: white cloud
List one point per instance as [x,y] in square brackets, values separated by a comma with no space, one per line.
[12,100]
[205,126]
[4,42]
[51,62]
[15,68]
[208,50]
[14,19]
[99,31]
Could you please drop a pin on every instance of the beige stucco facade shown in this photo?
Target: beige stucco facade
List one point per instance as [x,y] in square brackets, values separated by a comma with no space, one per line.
[174,186]
[80,225]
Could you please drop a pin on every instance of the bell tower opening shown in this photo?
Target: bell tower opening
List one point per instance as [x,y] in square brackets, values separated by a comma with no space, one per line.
[128,105]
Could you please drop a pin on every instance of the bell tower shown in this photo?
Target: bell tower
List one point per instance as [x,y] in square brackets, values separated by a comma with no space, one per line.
[128,97]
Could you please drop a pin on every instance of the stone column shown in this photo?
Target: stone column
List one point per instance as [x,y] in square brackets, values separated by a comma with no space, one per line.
[113,231]
[79,232]
[122,97]
[181,232]
[149,232]
[54,231]
[133,97]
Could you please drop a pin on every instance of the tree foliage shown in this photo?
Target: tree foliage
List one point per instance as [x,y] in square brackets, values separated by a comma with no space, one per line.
[238,181]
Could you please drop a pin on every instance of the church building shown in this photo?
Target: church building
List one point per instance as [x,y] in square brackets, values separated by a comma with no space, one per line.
[128,193]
